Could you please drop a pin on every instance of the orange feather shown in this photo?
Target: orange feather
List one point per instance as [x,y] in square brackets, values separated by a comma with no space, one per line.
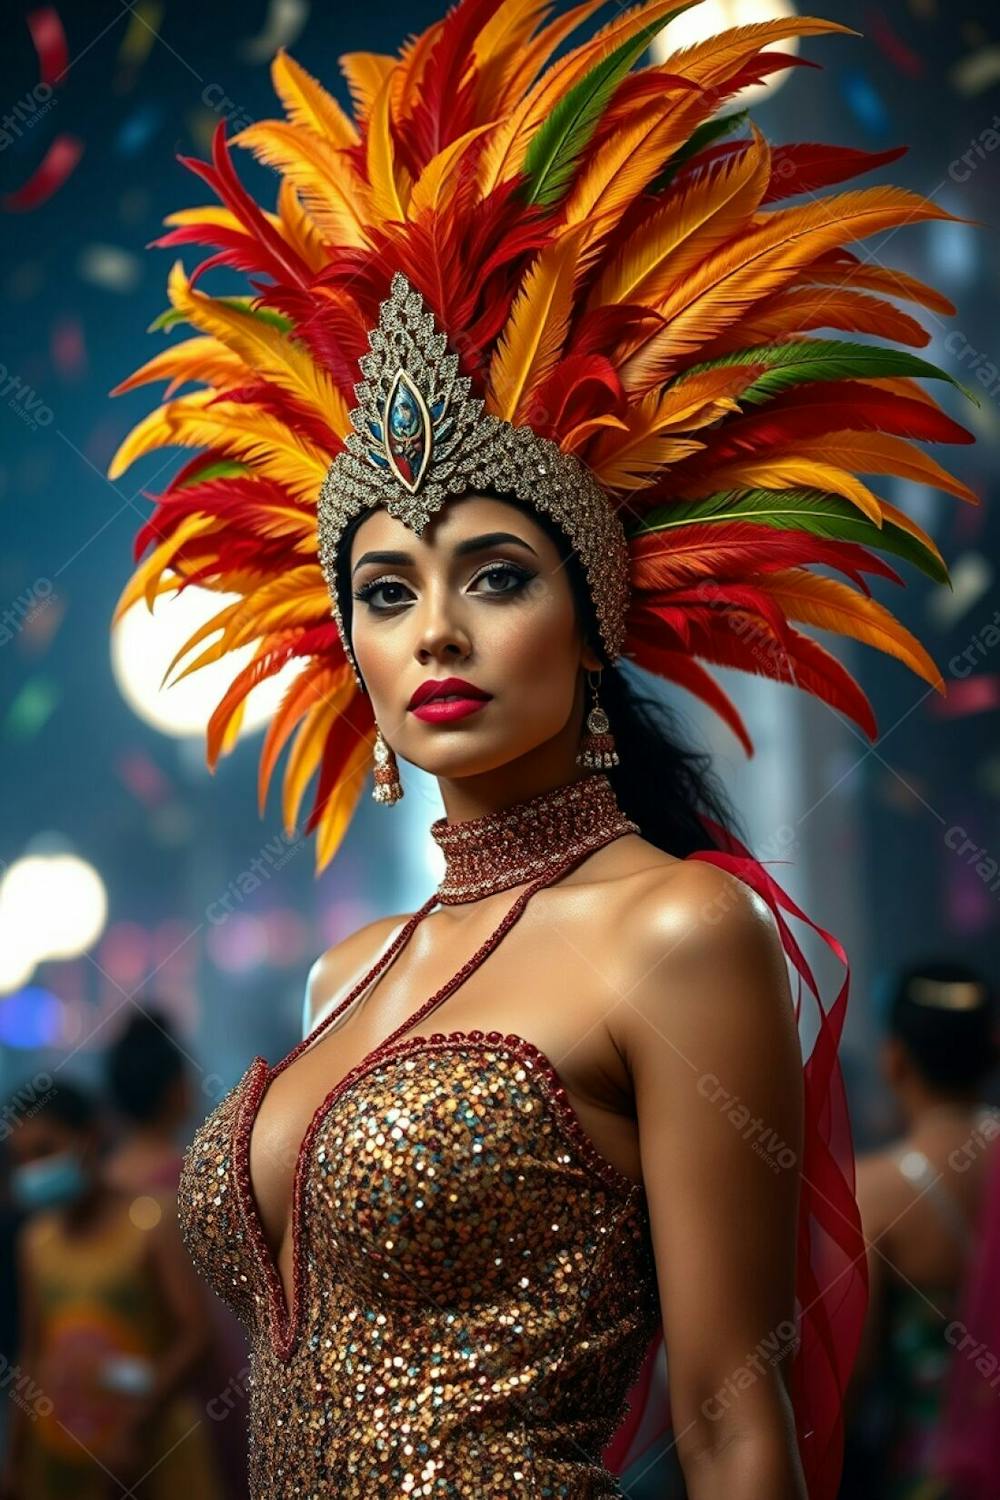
[759,263]
[308,104]
[534,335]
[832,605]
[693,222]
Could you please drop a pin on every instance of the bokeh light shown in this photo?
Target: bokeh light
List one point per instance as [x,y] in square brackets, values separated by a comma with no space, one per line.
[145,642]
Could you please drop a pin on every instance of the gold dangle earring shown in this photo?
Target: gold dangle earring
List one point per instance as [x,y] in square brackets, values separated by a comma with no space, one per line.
[597,745]
[388,788]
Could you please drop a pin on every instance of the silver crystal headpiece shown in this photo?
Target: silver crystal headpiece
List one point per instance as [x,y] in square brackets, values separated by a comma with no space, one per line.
[421,439]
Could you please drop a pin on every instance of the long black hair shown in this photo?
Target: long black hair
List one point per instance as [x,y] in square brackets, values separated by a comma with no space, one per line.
[662,783]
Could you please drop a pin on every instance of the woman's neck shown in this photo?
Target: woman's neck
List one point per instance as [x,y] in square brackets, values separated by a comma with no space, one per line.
[527,837]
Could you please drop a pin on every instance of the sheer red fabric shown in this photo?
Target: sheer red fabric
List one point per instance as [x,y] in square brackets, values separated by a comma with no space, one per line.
[832,1274]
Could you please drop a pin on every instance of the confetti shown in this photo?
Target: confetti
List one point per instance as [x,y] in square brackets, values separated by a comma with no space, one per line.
[108,266]
[50,44]
[974,695]
[282,27]
[140,34]
[899,53]
[59,161]
[975,74]
[68,348]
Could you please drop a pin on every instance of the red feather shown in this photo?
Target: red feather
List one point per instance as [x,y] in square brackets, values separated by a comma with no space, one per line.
[274,254]
[582,386]
[827,406]
[735,548]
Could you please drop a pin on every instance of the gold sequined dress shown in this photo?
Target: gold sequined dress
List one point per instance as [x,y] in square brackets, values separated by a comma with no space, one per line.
[474,1283]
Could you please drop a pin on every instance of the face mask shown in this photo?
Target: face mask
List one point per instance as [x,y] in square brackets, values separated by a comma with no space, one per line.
[48,1183]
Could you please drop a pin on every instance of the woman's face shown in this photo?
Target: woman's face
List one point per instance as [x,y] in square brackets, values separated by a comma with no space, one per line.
[483,596]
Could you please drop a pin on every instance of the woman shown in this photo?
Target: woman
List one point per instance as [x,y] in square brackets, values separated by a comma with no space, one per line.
[527,397]
[920,1201]
[113,1326]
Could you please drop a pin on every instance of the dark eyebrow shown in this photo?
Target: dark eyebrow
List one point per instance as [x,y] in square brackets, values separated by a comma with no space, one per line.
[471,544]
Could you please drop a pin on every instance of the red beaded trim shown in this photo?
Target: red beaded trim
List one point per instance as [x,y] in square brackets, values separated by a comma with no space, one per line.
[284,1320]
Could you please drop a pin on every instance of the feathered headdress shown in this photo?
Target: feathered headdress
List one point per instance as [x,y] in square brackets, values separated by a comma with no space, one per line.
[614,276]
[618,270]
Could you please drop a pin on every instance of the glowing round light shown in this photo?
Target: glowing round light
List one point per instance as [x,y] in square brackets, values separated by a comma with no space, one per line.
[17,956]
[143,644]
[58,900]
[713,16]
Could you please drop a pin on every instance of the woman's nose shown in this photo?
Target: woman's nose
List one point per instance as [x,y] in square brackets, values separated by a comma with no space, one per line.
[441,635]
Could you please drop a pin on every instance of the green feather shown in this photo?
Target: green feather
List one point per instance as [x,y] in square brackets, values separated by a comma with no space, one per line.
[815,511]
[557,146]
[791,364]
[225,468]
[172,315]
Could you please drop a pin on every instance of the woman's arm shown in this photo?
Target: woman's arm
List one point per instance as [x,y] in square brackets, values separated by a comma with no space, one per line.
[709,1034]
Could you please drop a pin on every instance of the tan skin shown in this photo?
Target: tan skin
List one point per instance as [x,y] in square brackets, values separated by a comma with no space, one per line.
[906,1239]
[638,975]
[86,1220]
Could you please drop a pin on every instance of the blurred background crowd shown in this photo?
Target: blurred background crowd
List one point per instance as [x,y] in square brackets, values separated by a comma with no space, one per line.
[155,934]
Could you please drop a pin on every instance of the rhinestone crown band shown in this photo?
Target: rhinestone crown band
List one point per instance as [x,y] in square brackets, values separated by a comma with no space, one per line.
[420,439]
[527,839]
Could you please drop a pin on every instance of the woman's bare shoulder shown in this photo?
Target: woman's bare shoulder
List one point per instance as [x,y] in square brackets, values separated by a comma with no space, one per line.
[345,962]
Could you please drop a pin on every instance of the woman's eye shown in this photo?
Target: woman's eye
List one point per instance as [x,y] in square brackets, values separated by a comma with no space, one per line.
[369,591]
[503,578]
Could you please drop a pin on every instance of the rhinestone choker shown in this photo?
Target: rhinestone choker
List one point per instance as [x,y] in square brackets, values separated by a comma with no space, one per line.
[521,842]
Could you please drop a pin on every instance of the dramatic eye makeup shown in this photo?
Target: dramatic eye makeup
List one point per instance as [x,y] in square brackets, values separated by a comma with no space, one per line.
[506,577]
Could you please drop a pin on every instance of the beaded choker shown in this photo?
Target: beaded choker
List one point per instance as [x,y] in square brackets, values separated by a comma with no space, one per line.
[527,839]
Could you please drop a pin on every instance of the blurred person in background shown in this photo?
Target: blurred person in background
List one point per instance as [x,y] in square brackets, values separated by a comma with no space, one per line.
[920,1199]
[149,1080]
[112,1326]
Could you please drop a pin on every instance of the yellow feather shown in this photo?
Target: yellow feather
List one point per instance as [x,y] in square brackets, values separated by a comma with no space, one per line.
[510,25]
[265,350]
[429,188]
[719,57]
[532,339]
[525,63]
[791,474]
[504,156]
[386,184]
[871,278]
[335,195]
[215,213]
[625,164]
[832,605]
[298,228]
[202,359]
[339,810]
[689,227]
[583,430]
[365,73]
[307,750]
[239,430]
[758,263]
[295,599]
[145,580]
[308,104]
[881,453]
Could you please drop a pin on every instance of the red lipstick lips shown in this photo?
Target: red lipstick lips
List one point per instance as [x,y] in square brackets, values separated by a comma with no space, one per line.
[440,699]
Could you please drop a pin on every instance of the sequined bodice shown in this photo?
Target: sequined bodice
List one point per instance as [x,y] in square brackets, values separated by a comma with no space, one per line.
[474,1287]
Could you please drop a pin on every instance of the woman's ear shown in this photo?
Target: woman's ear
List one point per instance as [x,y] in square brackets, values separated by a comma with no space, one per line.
[590,660]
